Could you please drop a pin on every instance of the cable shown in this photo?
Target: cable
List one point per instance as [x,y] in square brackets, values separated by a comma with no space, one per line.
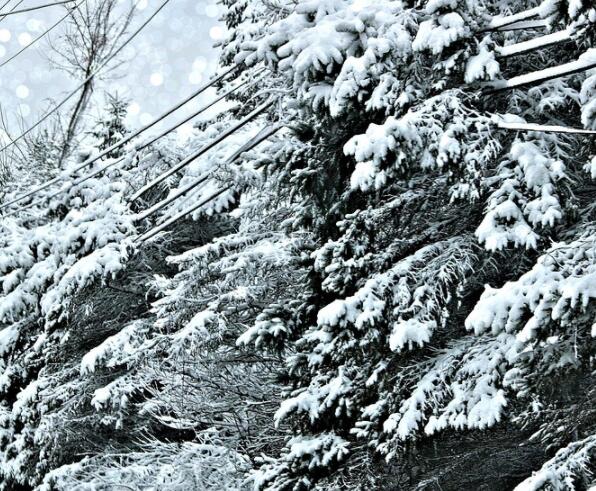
[30,9]
[82,179]
[119,143]
[47,31]
[44,199]
[93,74]
[5,4]
[154,231]
[11,10]
[261,136]
[247,119]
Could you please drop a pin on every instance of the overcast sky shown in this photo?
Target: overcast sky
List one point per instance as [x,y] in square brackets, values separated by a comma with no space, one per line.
[169,58]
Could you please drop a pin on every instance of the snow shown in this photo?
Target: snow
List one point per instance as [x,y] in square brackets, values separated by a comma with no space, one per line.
[349,319]
[8,337]
[533,44]
[525,199]
[585,62]
[559,472]
[332,447]
[101,397]
[482,66]
[315,399]
[101,263]
[496,236]
[546,293]
[502,21]
[114,350]
[436,35]
[543,128]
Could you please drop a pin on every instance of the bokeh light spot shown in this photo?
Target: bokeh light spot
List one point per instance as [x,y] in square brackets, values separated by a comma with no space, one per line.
[5,35]
[195,78]
[217,33]
[25,39]
[22,91]
[134,108]
[145,118]
[156,79]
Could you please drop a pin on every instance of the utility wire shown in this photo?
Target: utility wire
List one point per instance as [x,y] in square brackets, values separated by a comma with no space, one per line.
[44,33]
[116,145]
[5,4]
[30,9]
[252,143]
[144,145]
[154,231]
[232,129]
[90,77]
[119,143]
[11,10]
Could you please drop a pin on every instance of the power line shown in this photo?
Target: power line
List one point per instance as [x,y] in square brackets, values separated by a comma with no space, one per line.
[89,78]
[154,231]
[252,143]
[247,119]
[5,4]
[47,31]
[11,10]
[30,9]
[119,143]
[144,145]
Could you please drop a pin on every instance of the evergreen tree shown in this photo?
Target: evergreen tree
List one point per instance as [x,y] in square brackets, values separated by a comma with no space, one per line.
[110,128]
[418,196]
[395,291]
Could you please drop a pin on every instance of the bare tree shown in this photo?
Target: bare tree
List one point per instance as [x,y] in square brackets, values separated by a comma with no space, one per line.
[90,38]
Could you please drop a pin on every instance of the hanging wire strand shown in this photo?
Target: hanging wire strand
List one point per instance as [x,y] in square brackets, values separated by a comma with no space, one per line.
[3,16]
[118,144]
[89,78]
[5,4]
[30,9]
[43,34]
[154,231]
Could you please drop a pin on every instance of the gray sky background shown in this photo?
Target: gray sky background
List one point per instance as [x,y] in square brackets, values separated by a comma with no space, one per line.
[169,59]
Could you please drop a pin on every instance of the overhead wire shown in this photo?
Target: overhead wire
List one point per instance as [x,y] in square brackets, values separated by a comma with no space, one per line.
[43,34]
[253,114]
[118,144]
[138,148]
[261,136]
[31,9]
[3,16]
[154,231]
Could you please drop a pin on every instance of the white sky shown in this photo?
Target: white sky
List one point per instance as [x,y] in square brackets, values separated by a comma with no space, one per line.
[169,59]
